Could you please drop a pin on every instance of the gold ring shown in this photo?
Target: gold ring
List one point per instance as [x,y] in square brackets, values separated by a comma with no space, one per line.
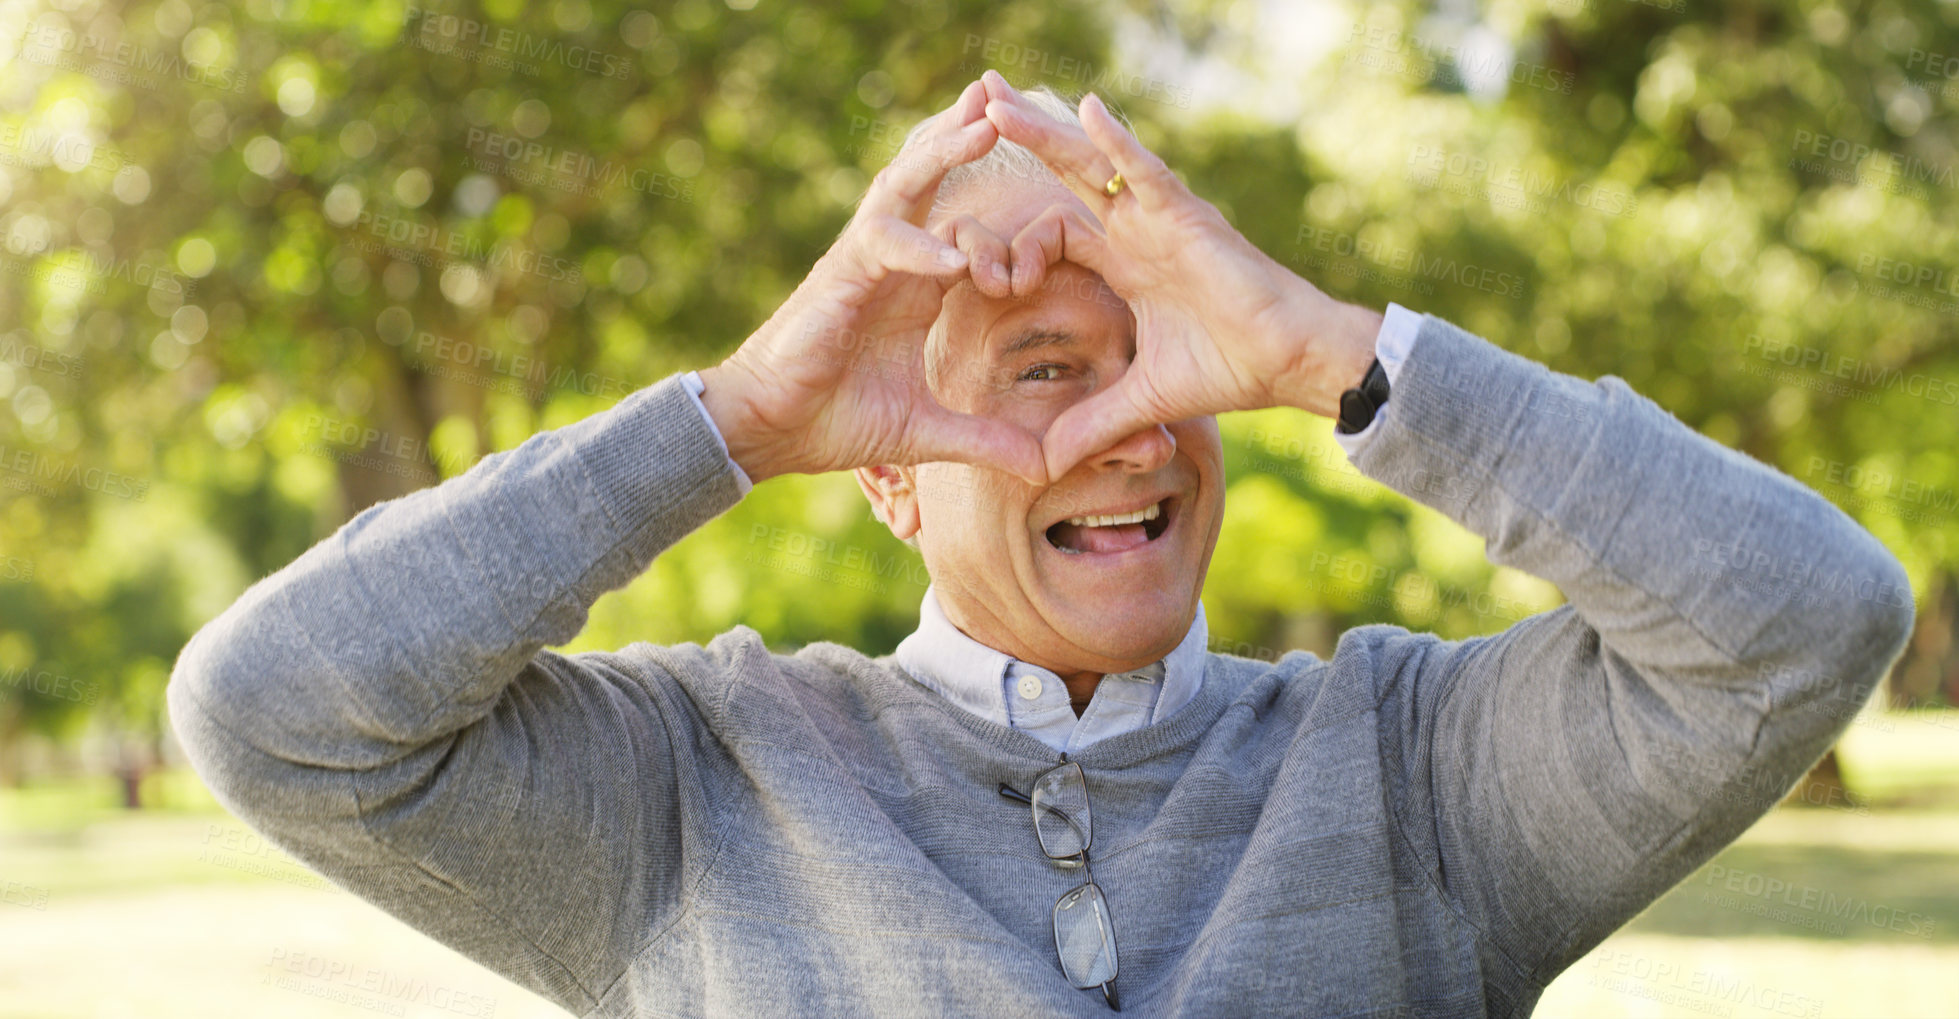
[1114,186]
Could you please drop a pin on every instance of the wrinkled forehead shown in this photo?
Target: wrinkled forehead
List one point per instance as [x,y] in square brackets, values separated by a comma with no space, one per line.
[1071,292]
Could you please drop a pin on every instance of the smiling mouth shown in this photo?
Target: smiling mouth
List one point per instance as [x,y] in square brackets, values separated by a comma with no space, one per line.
[1110,534]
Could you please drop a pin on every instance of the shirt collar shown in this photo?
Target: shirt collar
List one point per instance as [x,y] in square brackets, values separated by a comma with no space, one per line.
[976,677]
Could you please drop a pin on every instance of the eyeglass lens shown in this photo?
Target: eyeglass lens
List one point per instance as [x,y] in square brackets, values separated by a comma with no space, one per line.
[1084,937]
[1061,818]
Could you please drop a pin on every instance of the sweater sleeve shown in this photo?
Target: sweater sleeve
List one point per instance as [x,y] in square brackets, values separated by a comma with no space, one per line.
[383,708]
[1723,625]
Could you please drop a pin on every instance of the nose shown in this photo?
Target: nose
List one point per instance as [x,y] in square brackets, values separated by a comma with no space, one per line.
[1139,452]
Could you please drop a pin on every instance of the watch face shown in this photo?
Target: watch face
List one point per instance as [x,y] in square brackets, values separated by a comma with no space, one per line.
[1356,412]
[1357,405]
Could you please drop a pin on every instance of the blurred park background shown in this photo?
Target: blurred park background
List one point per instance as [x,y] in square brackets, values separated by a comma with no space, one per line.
[268,263]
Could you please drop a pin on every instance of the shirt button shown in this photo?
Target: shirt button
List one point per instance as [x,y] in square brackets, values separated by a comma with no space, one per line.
[1030,687]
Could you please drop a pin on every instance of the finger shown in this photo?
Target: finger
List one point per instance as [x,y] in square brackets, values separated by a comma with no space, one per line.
[939,434]
[888,244]
[1063,147]
[960,134]
[986,254]
[1062,232]
[1142,170]
[1094,424]
[996,86]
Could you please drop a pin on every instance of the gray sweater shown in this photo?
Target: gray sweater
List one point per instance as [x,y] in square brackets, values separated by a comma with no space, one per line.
[1414,827]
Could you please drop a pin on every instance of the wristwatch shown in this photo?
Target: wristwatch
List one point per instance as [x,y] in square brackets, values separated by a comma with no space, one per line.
[1358,405]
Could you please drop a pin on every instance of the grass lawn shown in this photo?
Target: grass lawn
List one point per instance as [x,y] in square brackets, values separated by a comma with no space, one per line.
[182,911]
[1812,914]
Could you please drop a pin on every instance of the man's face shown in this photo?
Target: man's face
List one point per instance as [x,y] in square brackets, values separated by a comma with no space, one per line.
[1008,565]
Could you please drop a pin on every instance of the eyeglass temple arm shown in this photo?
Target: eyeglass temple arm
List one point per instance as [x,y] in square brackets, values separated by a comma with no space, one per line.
[1015,795]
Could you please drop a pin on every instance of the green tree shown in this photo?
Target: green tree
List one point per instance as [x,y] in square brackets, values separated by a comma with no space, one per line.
[271,263]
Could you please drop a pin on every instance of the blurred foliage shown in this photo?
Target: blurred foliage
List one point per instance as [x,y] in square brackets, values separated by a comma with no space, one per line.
[272,262]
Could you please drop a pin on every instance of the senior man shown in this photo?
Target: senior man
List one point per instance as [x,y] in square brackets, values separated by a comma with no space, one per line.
[1051,790]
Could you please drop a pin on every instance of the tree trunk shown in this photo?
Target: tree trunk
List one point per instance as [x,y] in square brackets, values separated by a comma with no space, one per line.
[129,771]
[11,731]
[1822,787]
[1928,673]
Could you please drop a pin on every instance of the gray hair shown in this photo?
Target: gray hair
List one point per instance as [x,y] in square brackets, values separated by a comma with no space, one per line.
[1007,161]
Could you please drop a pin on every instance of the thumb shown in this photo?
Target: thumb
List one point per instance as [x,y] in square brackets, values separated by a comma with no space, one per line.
[1096,423]
[938,434]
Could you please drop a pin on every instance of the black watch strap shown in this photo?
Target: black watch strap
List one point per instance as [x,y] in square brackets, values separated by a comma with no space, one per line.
[1357,405]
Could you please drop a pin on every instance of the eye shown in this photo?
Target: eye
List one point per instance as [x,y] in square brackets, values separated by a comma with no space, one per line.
[1033,374]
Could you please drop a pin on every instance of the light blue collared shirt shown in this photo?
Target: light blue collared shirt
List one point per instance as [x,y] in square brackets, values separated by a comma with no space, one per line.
[1002,689]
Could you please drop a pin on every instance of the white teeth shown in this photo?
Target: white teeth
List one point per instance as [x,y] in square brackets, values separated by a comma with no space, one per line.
[1150,512]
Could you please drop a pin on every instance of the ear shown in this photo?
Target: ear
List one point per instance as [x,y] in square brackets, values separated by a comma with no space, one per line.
[893,498]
